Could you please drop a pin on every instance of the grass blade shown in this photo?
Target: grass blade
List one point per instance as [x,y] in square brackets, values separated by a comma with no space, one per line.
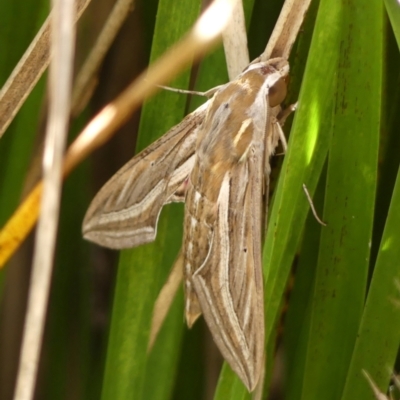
[393,10]
[308,145]
[377,343]
[140,270]
[60,78]
[343,260]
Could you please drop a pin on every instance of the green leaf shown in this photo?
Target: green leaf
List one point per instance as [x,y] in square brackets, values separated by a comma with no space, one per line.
[298,319]
[141,270]
[379,334]
[308,146]
[393,10]
[343,260]
[230,386]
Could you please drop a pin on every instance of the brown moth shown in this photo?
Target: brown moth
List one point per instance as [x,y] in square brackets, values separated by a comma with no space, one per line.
[217,162]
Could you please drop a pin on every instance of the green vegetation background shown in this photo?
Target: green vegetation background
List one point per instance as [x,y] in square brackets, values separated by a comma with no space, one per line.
[343,314]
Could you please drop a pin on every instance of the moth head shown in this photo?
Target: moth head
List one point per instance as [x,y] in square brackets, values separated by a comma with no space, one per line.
[279,68]
[278,91]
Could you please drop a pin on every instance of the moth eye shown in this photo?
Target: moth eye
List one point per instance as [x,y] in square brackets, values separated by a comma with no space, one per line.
[277,93]
[245,250]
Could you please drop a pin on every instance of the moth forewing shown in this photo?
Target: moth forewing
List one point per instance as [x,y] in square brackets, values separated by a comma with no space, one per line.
[224,216]
[125,211]
[229,284]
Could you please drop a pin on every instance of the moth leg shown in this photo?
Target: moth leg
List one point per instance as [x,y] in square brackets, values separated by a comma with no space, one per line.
[283,114]
[319,220]
[281,134]
[280,121]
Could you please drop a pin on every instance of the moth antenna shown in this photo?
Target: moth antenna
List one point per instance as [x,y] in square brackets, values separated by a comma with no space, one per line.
[209,93]
[312,206]
[183,91]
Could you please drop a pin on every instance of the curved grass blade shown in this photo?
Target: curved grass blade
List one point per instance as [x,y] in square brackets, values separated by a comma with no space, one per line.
[28,71]
[16,147]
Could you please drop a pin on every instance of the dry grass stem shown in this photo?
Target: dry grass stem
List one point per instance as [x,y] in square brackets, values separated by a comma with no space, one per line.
[377,393]
[60,81]
[86,79]
[27,72]
[286,29]
[235,43]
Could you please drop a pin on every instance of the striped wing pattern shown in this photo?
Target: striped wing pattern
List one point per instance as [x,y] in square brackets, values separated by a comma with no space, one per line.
[124,213]
[217,161]
[224,215]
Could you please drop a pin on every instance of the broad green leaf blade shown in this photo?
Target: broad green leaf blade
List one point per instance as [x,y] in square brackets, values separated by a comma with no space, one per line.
[165,353]
[230,386]
[393,10]
[141,269]
[377,342]
[308,146]
[297,321]
[192,370]
[343,262]
[379,334]
[163,360]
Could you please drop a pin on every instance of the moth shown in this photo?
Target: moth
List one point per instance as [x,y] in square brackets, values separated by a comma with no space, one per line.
[217,162]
